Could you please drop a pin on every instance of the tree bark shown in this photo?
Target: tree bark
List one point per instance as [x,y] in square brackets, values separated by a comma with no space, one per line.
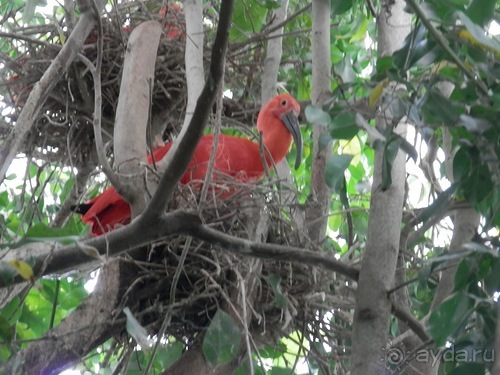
[373,306]
[274,51]
[195,76]
[319,200]
[132,114]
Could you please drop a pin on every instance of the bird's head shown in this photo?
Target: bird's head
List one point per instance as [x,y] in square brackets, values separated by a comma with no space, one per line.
[280,115]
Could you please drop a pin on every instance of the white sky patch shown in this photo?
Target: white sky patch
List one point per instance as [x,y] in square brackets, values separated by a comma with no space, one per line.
[494,28]
[70,372]
[369,45]
[92,281]
[17,168]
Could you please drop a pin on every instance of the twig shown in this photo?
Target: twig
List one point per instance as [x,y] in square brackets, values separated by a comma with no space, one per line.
[270,251]
[213,154]
[170,312]
[264,35]
[444,44]
[96,74]
[412,322]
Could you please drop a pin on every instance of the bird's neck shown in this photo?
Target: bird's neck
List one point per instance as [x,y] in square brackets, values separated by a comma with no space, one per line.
[277,140]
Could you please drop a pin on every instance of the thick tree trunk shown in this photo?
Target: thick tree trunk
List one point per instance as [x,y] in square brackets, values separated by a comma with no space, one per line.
[373,307]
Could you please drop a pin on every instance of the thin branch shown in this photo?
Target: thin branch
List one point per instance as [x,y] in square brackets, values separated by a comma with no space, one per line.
[444,44]
[245,247]
[266,34]
[96,75]
[76,191]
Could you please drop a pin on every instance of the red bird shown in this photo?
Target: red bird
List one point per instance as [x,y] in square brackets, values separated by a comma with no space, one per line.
[235,156]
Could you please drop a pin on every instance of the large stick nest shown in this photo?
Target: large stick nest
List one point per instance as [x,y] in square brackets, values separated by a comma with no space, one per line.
[286,296]
[281,296]
[63,129]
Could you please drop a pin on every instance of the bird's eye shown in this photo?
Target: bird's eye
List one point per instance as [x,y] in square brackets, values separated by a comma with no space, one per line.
[284,102]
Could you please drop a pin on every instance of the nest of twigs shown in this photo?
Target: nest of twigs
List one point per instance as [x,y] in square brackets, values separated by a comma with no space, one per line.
[284,296]
[279,296]
[63,130]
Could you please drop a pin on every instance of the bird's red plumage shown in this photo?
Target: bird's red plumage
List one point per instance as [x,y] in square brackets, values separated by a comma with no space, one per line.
[235,156]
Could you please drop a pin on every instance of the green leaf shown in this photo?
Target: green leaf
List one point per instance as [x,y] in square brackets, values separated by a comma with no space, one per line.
[324,140]
[316,115]
[440,110]
[478,32]
[469,369]
[280,299]
[248,18]
[360,32]
[334,172]
[6,331]
[12,310]
[43,232]
[440,204]
[29,11]
[462,165]
[222,340]
[360,222]
[343,193]
[384,64]
[481,12]
[417,50]
[492,279]
[474,125]
[339,7]
[334,222]
[73,298]
[478,186]
[278,370]
[449,316]
[343,126]
[170,354]
[4,199]
[463,275]
[274,351]
[67,188]
[408,148]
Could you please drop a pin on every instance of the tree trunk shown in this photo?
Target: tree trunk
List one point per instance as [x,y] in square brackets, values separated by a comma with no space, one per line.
[319,200]
[373,307]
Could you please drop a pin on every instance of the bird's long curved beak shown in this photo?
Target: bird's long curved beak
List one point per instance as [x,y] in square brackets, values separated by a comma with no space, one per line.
[292,124]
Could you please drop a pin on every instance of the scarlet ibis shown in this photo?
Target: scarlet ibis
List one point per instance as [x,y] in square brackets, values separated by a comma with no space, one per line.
[235,156]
